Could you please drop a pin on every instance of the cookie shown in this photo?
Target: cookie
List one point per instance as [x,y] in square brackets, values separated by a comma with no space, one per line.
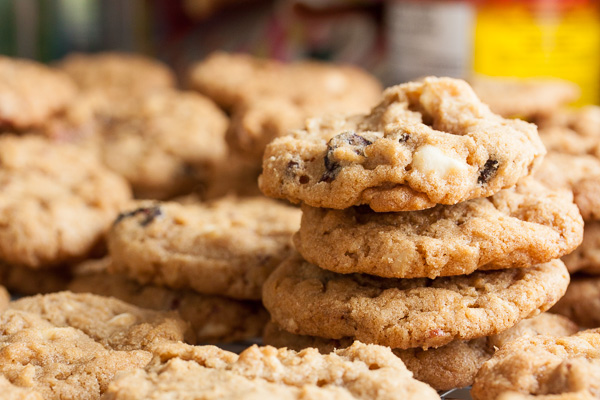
[28,281]
[405,313]
[427,143]
[581,302]
[543,365]
[451,366]
[227,247]
[517,227]
[31,93]
[71,346]
[213,318]
[56,202]
[358,372]
[584,121]
[586,258]
[239,79]
[111,322]
[131,74]
[525,98]
[13,392]
[579,173]
[165,143]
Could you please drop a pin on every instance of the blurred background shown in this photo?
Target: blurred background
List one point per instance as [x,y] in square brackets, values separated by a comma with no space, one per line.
[396,40]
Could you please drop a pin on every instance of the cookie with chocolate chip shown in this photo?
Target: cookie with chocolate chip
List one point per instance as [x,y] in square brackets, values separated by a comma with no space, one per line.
[429,142]
[515,228]
[227,247]
[404,313]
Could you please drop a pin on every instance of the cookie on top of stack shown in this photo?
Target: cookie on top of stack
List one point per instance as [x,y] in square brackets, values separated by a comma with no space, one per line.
[422,227]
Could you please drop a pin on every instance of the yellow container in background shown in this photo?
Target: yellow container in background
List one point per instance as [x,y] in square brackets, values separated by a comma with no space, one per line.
[536,38]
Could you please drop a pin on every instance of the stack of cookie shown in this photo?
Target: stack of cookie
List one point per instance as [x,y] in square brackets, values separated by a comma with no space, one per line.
[421,228]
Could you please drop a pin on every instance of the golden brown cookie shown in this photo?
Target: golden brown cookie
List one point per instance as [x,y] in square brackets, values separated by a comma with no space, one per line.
[517,227]
[581,302]
[165,143]
[358,372]
[56,201]
[451,366]
[566,366]
[239,79]
[579,173]
[268,98]
[71,346]
[111,322]
[213,318]
[525,98]
[14,392]
[30,93]
[405,313]
[131,74]
[227,247]
[429,142]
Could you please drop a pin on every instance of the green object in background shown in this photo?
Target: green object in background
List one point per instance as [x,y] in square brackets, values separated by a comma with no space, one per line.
[7,28]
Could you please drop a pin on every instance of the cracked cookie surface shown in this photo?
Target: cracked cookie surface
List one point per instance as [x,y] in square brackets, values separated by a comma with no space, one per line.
[56,201]
[517,227]
[227,247]
[71,346]
[447,367]
[427,143]
[357,372]
[567,367]
[405,313]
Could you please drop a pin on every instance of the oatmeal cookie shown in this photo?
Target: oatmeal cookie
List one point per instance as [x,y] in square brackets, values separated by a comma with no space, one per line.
[30,93]
[111,322]
[405,313]
[165,143]
[581,302]
[568,366]
[227,247]
[56,202]
[578,173]
[132,74]
[358,372]
[72,346]
[239,79]
[517,227]
[451,366]
[525,98]
[14,392]
[4,298]
[213,318]
[427,143]
[584,121]
[586,258]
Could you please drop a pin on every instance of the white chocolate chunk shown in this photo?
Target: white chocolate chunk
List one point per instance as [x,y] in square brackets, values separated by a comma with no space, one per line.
[429,158]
